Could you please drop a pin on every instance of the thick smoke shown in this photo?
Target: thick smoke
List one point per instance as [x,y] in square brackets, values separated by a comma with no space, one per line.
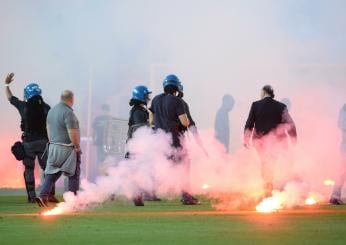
[232,181]
[216,48]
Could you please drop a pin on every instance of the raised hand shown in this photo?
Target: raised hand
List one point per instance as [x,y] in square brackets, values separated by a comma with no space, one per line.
[9,78]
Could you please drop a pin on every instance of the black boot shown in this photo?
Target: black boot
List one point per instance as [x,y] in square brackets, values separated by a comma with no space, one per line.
[138,201]
[188,199]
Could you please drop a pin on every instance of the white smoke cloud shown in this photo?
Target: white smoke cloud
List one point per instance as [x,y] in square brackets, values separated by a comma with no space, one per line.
[232,181]
[215,47]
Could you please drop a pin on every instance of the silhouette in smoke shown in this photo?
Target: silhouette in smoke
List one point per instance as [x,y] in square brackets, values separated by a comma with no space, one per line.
[336,195]
[222,130]
[33,112]
[268,124]
[100,132]
[168,112]
[192,127]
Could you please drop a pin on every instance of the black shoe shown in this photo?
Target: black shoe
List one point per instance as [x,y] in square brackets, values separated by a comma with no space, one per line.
[190,201]
[155,199]
[41,202]
[138,201]
[150,197]
[32,200]
[336,201]
[112,197]
[187,199]
[53,199]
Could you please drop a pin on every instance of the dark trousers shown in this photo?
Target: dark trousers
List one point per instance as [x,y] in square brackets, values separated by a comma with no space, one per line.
[50,179]
[34,149]
[101,155]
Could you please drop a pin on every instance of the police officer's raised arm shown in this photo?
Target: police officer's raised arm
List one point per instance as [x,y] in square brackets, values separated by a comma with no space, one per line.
[8,80]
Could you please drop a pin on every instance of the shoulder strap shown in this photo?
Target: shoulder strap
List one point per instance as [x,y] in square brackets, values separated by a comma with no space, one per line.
[23,122]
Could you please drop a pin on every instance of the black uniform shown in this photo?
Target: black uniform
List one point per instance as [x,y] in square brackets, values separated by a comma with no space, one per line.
[139,117]
[187,110]
[167,108]
[34,140]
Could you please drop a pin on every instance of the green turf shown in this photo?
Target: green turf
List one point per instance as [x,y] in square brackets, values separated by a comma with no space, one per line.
[167,223]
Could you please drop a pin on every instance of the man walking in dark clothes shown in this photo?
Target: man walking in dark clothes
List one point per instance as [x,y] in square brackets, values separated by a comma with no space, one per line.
[268,124]
[168,112]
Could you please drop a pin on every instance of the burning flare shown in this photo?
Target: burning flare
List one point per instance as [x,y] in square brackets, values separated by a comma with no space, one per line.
[269,205]
[310,201]
[54,211]
[329,182]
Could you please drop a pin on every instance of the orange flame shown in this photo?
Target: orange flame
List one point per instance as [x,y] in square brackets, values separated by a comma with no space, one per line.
[310,201]
[329,182]
[269,205]
[54,211]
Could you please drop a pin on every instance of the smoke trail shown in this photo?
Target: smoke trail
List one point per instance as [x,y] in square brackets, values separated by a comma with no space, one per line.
[232,181]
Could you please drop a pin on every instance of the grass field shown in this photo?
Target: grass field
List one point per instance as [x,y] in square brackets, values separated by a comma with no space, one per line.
[168,222]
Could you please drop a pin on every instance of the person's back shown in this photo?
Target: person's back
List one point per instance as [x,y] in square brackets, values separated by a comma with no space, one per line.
[139,117]
[33,114]
[101,126]
[167,109]
[268,115]
[59,119]
[34,120]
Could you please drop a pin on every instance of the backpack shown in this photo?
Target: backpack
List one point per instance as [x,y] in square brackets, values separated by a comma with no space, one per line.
[18,151]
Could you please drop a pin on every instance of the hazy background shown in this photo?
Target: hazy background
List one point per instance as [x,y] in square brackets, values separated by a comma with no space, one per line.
[215,47]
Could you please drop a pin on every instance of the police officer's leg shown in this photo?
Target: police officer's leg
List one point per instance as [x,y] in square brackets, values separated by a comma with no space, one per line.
[181,157]
[100,153]
[29,164]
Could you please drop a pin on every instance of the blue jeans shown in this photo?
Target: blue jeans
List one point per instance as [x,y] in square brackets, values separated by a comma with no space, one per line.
[50,179]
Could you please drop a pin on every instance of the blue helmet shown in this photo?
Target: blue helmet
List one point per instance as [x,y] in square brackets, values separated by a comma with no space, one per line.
[141,93]
[171,80]
[31,90]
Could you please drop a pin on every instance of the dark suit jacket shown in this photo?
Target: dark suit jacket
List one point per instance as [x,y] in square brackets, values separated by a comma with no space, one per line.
[266,115]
